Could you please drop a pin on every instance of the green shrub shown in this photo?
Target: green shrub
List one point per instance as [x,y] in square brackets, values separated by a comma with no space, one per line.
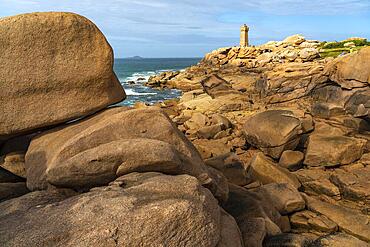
[333,45]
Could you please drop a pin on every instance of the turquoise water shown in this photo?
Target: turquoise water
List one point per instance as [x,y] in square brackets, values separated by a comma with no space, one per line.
[138,72]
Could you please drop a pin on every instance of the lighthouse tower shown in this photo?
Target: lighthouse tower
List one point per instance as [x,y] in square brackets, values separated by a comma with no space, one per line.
[244,36]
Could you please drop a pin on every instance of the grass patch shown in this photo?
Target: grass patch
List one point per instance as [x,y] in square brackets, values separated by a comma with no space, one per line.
[333,45]
[334,49]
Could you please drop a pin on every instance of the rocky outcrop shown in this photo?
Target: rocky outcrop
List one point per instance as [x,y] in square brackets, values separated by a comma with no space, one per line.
[274,131]
[292,160]
[351,71]
[326,150]
[147,209]
[286,101]
[59,65]
[347,220]
[285,197]
[266,171]
[87,154]
[274,134]
[255,216]
[340,240]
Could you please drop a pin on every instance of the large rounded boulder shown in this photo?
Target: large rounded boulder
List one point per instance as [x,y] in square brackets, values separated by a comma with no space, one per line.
[115,142]
[138,209]
[54,67]
[274,131]
[352,70]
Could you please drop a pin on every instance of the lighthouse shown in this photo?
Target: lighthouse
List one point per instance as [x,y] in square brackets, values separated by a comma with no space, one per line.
[244,36]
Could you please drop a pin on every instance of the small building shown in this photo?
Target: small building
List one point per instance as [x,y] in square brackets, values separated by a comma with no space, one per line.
[244,36]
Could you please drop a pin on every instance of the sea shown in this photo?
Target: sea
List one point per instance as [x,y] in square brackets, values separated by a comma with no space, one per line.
[134,72]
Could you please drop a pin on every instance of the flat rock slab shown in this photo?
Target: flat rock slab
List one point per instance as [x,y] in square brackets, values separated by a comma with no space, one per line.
[148,209]
[57,67]
[327,150]
[340,240]
[347,220]
[354,185]
[310,221]
[264,170]
[285,197]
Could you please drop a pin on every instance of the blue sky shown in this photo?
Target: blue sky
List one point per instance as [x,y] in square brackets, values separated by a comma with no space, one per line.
[190,28]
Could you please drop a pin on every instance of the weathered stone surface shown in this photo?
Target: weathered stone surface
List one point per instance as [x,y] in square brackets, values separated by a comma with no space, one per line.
[95,151]
[12,190]
[14,162]
[309,54]
[230,233]
[209,132]
[148,209]
[322,187]
[307,175]
[34,199]
[214,86]
[287,239]
[266,171]
[254,213]
[107,161]
[291,160]
[212,148]
[327,110]
[358,104]
[352,70]
[231,166]
[291,81]
[197,121]
[354,185]
[219,119]
[285,197]
[340,240]
[273,131]
[348,220]
[325,150]
[296,39]
[59,65]
[310,221]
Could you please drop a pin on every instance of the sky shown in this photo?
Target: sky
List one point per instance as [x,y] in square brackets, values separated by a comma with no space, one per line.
[191,28]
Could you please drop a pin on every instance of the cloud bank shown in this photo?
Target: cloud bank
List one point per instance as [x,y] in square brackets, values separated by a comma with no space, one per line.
[188,28]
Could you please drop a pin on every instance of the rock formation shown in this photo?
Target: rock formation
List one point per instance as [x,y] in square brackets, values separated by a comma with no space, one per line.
[57,67]
[268,146]
[299,127]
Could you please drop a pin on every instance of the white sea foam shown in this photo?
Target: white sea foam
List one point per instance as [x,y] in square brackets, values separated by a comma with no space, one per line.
[145,74]
[131,92]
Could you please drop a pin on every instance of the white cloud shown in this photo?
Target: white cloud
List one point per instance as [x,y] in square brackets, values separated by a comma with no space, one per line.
[308,7]
[129,24]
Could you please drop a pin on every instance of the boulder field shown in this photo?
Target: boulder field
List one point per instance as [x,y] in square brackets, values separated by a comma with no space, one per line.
[268,146]
[297,124]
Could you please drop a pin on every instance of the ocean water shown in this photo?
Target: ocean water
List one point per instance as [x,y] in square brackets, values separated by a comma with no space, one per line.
[139,71]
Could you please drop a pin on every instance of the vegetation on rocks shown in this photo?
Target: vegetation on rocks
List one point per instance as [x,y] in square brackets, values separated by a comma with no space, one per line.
[334,49]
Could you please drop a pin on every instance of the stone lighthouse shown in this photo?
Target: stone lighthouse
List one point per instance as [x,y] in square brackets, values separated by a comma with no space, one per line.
[244,36]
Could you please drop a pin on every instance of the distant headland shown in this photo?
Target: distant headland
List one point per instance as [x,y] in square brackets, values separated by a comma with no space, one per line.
[134,58]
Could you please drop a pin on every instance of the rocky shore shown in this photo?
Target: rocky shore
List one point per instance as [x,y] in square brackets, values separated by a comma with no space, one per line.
[268,146]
